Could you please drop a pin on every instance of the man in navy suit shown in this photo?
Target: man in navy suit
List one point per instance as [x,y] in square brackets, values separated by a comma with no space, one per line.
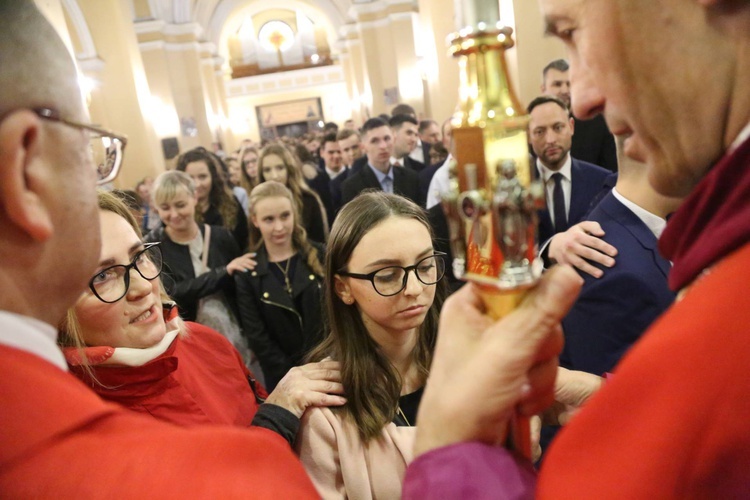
[333,167]
[613,311]
[377,140]
[570,184]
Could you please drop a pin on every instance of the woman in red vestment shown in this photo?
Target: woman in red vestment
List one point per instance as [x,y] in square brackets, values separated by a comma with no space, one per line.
[124,339]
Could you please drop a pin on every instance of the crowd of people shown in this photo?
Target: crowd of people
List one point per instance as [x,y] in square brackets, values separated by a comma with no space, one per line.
[276,322]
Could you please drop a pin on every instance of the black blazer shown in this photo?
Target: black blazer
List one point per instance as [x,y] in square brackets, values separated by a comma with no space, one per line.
[425,177]
[405,183]
[179,277]
[321,184]
[280,329]
[313,214]
[593,143]
[358,164]
[335,187]
[413,164]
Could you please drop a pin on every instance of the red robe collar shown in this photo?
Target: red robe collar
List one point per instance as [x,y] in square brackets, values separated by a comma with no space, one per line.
[125,381]
[712,222]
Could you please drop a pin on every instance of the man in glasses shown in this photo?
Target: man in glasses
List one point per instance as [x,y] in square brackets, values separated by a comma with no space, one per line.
[56,437]
[672,421]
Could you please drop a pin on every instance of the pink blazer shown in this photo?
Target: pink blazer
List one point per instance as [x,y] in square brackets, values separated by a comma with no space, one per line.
[342,466]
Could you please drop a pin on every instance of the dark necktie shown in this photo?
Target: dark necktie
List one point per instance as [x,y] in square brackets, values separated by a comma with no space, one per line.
[558,204]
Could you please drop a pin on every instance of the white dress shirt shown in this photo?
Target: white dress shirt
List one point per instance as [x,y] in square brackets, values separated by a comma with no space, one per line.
[439,185]
[398,162]
[418,153]
[546,175]
[653,222]
[332,175]
[31,335]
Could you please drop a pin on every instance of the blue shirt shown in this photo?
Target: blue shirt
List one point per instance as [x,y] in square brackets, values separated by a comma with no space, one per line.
[385,180]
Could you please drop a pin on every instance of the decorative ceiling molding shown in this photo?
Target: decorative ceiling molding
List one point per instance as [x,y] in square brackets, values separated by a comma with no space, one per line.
[77,19]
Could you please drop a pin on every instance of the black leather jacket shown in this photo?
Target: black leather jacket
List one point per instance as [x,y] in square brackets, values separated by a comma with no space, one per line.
[178,274]
[280,329]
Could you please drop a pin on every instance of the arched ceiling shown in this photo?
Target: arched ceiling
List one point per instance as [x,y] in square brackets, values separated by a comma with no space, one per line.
[217,16]
[221,18]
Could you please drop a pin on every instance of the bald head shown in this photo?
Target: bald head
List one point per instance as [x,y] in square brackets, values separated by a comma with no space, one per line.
[37,69]
[49,224]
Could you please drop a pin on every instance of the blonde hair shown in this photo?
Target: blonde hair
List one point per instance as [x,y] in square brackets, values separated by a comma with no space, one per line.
[273,189]
[70,328]
[167,185]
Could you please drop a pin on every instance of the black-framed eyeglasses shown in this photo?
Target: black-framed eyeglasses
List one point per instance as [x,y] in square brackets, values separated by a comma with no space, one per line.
[392,280]
[106,146]
[112,283]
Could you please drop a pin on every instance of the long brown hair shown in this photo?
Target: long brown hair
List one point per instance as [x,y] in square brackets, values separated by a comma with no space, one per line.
[273,189]
[371,384]
[294,180]
[221,195]
[247,182]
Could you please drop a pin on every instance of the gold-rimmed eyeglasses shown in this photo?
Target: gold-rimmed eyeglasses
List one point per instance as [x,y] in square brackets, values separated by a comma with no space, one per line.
[106,146]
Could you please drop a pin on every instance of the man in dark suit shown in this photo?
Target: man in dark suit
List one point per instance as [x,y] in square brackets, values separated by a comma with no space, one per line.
[405,137]
[613,311]
[333,167]
[570,184]
[429,132]
[593,141]
[351,146]
[379,174]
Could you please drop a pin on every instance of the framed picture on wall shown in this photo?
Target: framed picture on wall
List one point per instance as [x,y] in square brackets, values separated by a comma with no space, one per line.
[291,118]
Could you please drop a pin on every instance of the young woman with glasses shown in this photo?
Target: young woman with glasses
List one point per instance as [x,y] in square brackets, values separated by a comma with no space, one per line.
[277,163]
[217,205]
[383,296]
[125,340]
[248,156]
[280,300]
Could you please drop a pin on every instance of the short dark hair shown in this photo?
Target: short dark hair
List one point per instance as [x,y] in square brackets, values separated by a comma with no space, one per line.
[425,124]
[397,121]
[544,99]
[403,109]
[328,138]
[330,127]
[373,123]
[558,65]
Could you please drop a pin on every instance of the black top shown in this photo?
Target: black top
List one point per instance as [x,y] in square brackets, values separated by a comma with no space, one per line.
[178,275]
[241,230]
[409,404]
[280,328]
